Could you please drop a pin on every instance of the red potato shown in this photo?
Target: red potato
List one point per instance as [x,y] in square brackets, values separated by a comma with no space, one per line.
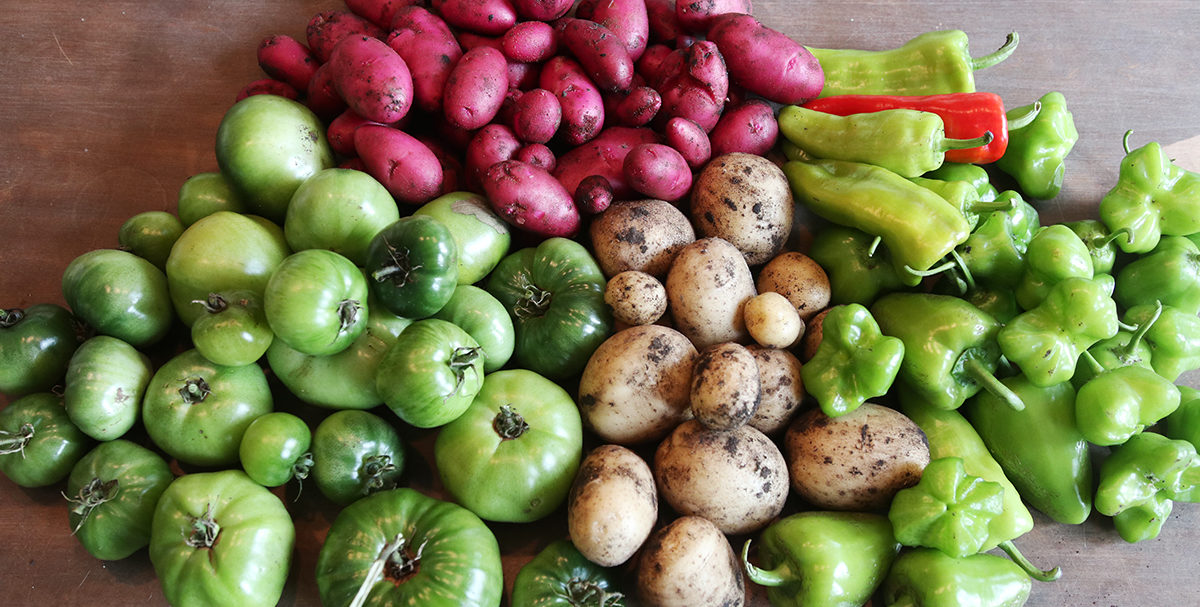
[429,48]
[750,128]
[696,16]
[604,156]
[379,12]
[627,19]
[650,65]
[491,144]
[372,78]
[453,174]
[690,140]
[542,10]
[639,107]
[603,56]
[486,17]
[268,86]
[582,104]
[284,58]
[765,61]
[321,97]
[530,42]
[530,199]
[664,25]
[340,132]
[538,155]
[521,75]
[658,171]
[327,28]
[593,195]
[695,86]
[476,88]
[406,167]
[536,116]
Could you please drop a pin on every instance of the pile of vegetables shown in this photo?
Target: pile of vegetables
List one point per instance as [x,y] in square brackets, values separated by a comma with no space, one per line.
[561,238]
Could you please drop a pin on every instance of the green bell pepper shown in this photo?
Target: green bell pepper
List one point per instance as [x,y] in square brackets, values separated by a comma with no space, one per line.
[993,254]
[1101,243]
[1128,347]
[1173,340]
[971,173]
[1169,273]
[964,197]
[1184,422]
[1118,403]
[559,576]
[834,559]
[948,509]
[1037,151]
[924,577]
[857,274]
[1054,254]
[1152,198]
[854,362]
[1140,480]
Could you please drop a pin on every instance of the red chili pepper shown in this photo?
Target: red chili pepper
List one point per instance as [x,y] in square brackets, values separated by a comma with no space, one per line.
[966,116]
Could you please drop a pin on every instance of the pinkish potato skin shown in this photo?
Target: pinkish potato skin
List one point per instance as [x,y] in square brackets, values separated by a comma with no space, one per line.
[657,171]
[283,58]
[429,48]
[406,167]
[484,17]
[603,57]
[491,144]
[695,84]
[536,116]
[542,10]
[530,42]
[767,62]
[664,25]
[582,104]
[372,78]
[639,107]
[340,132]
[593,195]
[750,127]
[627,19]
[321,98]
[689,140]
[327,28]
[538,155]
[530,199]
[696,16]
[476,88]
[604,155]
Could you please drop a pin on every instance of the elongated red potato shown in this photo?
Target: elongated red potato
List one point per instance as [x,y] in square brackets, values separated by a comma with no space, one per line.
[690,140]
[765,61]
[406,167]
[529,198]
[604,156]
[487,17]
[627,19]
[476,88]
[491,144]
[372,78]
[282,57]
[696,16]
[695,84]
[582,104]
[530,42]
[327,28]
[603,56]
[657,171]
[321,97]
[542,10]
[429,48]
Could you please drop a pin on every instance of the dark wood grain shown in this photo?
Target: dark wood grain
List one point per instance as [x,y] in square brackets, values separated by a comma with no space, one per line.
[107,107]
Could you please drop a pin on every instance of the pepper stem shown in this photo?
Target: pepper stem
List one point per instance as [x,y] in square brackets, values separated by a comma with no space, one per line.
[961,265]
[91,495]
[1097,368]
[874,246]
[1041,575]
[11,442]
[995,387]
[509,424]
[1125,146]
[775,577]
[962,144]
[1027,118]
[9,318]
[1000,54]
[1100,242]
[987,206]
[1140,332]
[934,271]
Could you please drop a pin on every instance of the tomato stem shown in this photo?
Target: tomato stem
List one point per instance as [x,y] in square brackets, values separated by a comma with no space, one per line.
[11,442]
[348,313]
[461,360]
[399,271]
[395,561]
[588,592]
[9,318]
[194,390]
[214,304]
[91,495]
[509,424]
[534,302]
[204,530]
[373,470]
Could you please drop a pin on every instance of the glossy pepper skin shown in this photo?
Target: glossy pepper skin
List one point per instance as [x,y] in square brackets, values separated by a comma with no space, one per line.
[918,226]
[856,273]
[1037,151]
[1126,348]
[963,196]
[1101,243]
[854,362]
[1140,480]
[1169,273]
[907,142]
[924,577]
[950,349]
[948,509]
[834,559]
[1152,198]
[1173,340]
[559,576]
[1046,341]
[932,63]
[974,174]
[1184,423]
[1040,449]
[1119,403]
[1054,254]
[993,254]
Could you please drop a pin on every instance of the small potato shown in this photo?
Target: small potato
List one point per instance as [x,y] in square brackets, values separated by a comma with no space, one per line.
[856,461]
[612,506]
[689,563]
[812,336]
[642,235]
[634,388]
[772,320]
[798,278]
[782,389]
[708,286]
[636,298]
[736,479]
[725,386]
[746,200]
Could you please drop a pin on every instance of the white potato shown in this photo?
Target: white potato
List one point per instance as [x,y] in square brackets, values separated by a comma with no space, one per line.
[725,386]
[641,235]
[798,278]
[612,506]
[636,298]
[745,199]
[782,389]
[690,563]
[707,289]
[772,320]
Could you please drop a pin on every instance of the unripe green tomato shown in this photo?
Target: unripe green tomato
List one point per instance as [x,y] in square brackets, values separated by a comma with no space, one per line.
[150,235]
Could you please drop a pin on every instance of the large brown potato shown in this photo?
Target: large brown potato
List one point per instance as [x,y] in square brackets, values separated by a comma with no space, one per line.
[689,563]
[745,199]
[612,506]
[641,235]
[707,289]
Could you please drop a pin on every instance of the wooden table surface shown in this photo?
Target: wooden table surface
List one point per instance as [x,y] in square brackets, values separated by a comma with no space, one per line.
[107,107]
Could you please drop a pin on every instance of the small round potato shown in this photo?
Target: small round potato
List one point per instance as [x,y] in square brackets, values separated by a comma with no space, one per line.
[772,320]
[690,563]
[639,235]
[725,386]
[798,278]
[782,389]
[856,461]
[707,289]
[635,386]
[636,298]
[812,336]
[737,479]
[745,199]
[612,506]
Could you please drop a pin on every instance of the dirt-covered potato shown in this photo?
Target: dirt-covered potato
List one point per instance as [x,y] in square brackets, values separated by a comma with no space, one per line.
[745,199]
[612,506]
[737,479]
[641,235]
[708,286]
[782,389]
[635,386]
[856,461]
[690,563]
[636,298]
[812,336]
[725,386]
[798,278]
[772,320]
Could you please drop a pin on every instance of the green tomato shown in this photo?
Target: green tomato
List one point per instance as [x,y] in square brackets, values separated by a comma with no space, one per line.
[197,411]
[36,345]
[511,457]
[119,294]
[274,449]
[105,383]
[223,251]
[204,194]
[150,235]
[316,302]
[345,380]
[559,576]
[267,146]
[400,548]
[113,491]
[429,376]
[219,538]
[555,295]
[340,210]
[486,320]
[233,330]
[355,453]
[38,442]
[412,266]
[481,237]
